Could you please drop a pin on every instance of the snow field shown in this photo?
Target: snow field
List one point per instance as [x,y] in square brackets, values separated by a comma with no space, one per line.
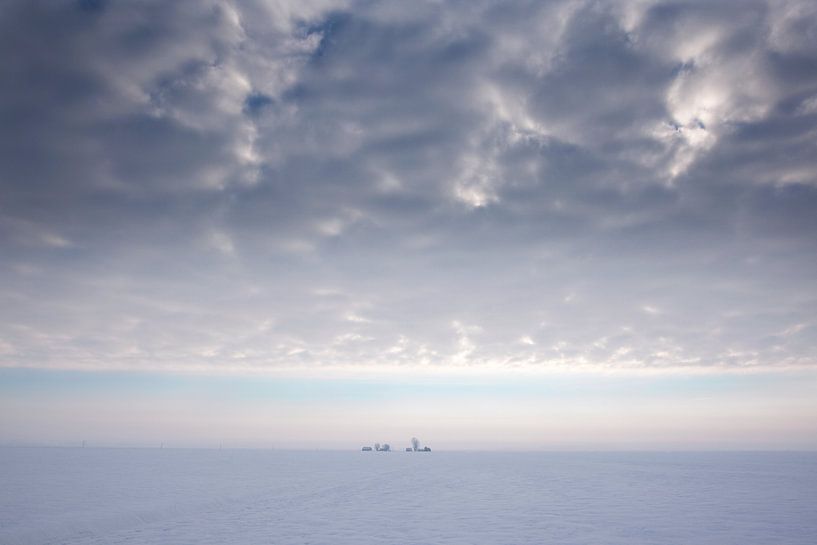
[51,496]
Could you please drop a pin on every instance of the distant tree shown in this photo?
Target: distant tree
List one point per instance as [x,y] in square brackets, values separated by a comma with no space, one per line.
[386,447]
[377,446]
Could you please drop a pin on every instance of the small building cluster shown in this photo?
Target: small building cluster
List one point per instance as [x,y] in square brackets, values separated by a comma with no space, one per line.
[415,447]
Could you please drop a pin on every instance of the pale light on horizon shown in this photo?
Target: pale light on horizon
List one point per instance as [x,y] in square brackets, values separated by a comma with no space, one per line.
[545,225]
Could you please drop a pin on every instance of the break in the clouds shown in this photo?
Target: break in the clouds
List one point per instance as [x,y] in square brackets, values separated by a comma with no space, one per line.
[300,185]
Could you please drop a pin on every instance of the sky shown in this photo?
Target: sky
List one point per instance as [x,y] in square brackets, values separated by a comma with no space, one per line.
[316,224]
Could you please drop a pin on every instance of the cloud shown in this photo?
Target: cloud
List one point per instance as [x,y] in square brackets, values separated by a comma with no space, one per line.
[360,176]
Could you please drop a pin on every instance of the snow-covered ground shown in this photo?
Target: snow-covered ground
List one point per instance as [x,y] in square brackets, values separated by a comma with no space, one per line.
[140,496]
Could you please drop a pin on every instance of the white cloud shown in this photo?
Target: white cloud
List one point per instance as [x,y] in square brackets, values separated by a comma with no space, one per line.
[527,340]
[222,242]
[651,310]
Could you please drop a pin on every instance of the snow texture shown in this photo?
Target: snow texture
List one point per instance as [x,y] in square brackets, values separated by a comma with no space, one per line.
[141,496]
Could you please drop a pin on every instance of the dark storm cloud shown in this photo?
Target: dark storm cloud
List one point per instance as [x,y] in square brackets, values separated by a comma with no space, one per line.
[550,184]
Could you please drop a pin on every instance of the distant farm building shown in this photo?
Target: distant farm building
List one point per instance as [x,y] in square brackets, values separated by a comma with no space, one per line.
[415,446]
[378,447]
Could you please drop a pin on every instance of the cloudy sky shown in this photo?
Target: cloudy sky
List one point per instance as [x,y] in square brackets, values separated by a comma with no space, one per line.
[244,209]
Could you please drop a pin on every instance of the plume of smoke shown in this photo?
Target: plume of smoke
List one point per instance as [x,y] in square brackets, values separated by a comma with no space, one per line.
[415,443]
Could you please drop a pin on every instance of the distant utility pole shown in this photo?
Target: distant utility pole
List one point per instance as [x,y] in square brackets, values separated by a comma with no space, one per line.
[83,443]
